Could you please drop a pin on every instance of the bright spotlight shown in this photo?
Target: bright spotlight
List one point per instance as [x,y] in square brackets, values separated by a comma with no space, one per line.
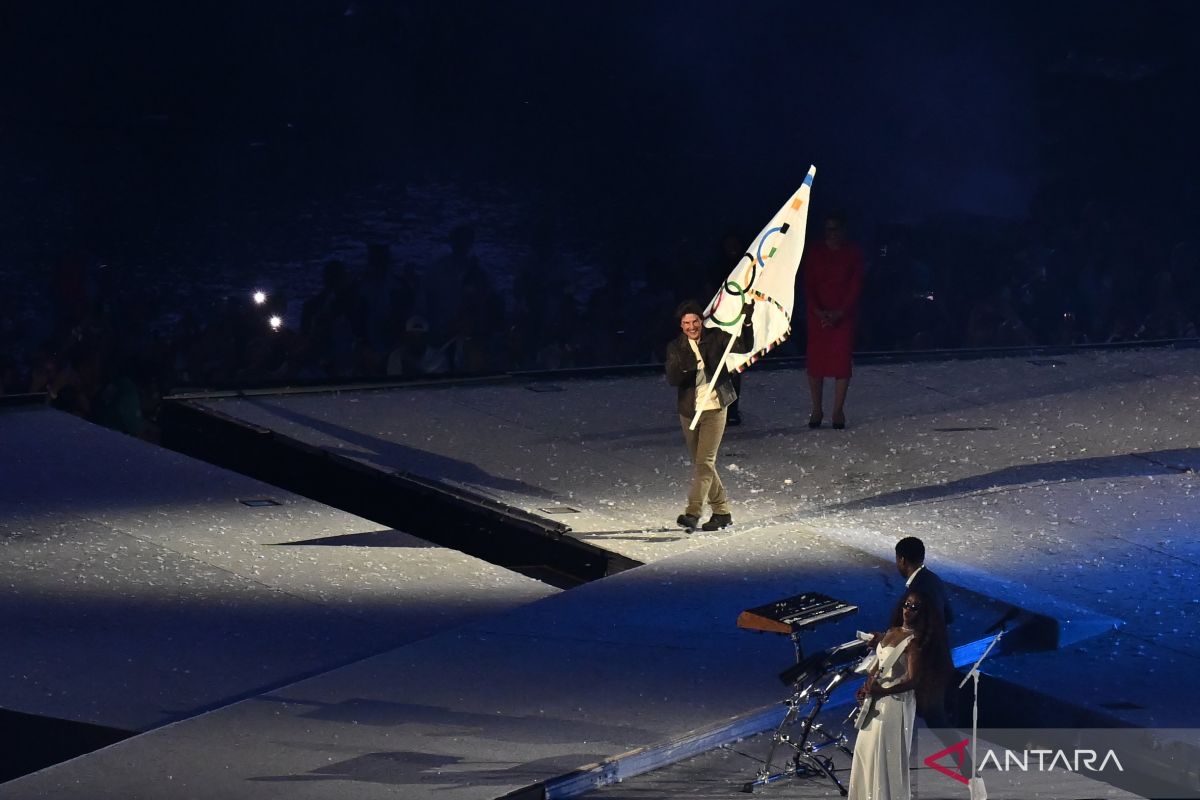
[276,322]
[259,297]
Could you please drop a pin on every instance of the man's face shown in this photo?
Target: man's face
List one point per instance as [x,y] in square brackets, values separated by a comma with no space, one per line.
[690,325]
[903,567]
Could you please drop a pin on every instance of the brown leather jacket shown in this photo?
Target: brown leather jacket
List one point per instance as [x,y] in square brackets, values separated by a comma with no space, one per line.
[681,365]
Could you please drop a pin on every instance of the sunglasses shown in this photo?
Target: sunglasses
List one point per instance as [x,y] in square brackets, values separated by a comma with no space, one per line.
[912,606]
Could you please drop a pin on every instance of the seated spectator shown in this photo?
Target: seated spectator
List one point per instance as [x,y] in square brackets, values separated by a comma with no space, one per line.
[118,404]
[414,355]
[480,313]
[445,281]
[1166,319]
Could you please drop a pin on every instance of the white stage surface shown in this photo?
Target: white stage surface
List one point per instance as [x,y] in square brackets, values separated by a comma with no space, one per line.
[1062,486]
[138,589]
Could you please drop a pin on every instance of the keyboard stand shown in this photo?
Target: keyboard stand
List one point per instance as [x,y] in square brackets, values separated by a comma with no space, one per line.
[795,637]
[810,695]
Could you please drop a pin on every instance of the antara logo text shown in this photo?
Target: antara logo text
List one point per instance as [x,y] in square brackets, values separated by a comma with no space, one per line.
[1080,760]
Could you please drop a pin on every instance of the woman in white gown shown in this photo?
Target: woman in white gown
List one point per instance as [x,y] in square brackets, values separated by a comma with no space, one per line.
[911,657]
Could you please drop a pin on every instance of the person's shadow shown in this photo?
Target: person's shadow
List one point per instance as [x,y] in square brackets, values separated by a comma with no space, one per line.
[1127,465]
[391,456]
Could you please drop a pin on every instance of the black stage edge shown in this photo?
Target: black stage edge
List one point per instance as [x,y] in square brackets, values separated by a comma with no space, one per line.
[500,534]
[775,360]
[30,742]
[1005,703]
[20,400]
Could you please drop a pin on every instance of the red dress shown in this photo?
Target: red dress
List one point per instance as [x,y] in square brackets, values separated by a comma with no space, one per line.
[832,282]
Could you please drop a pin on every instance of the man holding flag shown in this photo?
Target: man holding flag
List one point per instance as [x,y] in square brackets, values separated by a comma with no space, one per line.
[749,316]
[693,359]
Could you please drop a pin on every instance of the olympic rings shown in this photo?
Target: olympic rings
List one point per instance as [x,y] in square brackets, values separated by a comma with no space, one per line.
[737,291]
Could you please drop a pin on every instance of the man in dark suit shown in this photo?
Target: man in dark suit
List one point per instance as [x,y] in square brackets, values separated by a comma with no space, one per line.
[910,561]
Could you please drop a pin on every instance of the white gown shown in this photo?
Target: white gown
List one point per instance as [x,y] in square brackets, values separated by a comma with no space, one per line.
[881,754]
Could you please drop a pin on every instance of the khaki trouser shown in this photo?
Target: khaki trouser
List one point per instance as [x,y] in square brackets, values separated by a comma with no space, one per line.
[703,444]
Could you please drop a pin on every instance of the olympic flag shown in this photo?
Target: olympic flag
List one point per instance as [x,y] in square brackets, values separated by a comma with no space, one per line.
[765,275]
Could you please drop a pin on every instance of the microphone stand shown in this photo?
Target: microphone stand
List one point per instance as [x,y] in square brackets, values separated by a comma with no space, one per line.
[975,784]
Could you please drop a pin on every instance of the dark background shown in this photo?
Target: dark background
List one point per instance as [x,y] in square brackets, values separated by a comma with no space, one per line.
[199,150]
[135,122]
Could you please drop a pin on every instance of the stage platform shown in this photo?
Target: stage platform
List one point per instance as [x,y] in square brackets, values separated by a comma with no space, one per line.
[140,587]
[1059,486]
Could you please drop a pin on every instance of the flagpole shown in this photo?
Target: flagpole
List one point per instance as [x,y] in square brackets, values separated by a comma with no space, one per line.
[708,390]
[780,289]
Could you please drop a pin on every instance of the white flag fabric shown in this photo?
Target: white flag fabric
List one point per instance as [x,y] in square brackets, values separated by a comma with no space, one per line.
[766,276]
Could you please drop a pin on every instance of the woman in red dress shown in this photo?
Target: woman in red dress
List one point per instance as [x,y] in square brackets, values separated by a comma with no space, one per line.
[833,277]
